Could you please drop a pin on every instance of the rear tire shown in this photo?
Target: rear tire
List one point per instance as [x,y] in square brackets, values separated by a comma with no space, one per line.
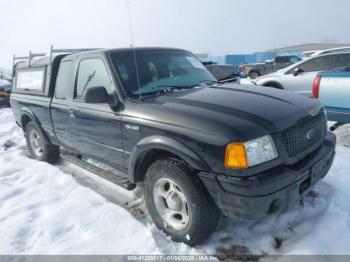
[178,202]
[38,149]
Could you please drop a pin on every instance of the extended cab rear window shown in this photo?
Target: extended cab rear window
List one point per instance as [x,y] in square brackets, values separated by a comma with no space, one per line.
[31,80]
[63,85]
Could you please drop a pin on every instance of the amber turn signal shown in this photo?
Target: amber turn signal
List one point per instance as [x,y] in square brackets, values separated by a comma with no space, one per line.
[235,156]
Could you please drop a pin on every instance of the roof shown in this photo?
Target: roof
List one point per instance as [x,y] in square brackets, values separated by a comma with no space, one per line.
[127,49]
[309,47]
[45,59]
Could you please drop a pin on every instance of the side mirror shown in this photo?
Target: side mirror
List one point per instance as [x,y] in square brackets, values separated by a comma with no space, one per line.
[96,95]
[297,71]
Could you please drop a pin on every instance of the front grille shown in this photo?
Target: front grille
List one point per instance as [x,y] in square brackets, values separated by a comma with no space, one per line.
[303,137]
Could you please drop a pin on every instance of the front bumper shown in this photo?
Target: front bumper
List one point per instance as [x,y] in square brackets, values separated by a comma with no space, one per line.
[273,191]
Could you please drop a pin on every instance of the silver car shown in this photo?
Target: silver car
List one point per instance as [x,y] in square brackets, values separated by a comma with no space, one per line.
[299,77]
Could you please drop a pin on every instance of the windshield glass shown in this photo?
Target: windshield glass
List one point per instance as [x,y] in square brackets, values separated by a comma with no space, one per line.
[293,65]
[158,70]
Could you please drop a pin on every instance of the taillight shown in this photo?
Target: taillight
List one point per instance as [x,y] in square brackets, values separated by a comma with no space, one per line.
[316,86]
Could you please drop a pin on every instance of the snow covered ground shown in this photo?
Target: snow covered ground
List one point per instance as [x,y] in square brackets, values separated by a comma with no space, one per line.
[245,81]
[63,209]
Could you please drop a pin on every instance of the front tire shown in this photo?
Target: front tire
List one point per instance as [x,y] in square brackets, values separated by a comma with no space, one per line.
[253,74]
[179,203]
[38,149]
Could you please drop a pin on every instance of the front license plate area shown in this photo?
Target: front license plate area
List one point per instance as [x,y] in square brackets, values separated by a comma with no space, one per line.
[318,171]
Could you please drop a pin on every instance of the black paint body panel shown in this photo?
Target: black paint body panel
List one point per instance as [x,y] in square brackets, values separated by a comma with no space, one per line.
[195,125]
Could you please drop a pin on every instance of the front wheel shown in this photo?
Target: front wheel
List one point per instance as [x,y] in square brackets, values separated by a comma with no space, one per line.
[37,147]
[179,203]
[253,75]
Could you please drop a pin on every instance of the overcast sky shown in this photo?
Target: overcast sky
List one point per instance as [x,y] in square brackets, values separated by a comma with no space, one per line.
[211,26]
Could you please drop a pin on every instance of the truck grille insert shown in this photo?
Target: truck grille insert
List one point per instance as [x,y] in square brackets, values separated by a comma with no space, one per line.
[303,137]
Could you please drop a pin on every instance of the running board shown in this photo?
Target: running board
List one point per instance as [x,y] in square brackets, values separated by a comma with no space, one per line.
[113,177]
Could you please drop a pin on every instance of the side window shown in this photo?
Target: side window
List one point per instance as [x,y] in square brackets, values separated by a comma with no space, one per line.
[63,85]
[318,64]
[342,60]
[31,79]
[92,72]
[294,59]
[282,59]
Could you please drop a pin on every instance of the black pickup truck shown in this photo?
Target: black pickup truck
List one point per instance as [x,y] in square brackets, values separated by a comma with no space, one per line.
[201,148]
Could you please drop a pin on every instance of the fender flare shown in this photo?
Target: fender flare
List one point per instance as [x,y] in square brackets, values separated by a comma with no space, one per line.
[167,144]
[27,112]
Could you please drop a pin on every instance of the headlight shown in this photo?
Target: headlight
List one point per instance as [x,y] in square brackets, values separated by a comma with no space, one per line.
[251,153]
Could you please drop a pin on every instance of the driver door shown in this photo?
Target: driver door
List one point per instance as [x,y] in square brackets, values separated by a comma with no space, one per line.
[96,127]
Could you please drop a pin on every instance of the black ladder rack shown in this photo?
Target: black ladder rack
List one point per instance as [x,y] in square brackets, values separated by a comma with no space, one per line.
[31,55]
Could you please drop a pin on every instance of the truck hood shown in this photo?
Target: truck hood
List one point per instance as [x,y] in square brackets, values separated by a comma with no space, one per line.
[246,111]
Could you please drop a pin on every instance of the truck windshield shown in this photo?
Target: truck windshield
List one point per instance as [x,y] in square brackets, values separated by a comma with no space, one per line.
[159,70]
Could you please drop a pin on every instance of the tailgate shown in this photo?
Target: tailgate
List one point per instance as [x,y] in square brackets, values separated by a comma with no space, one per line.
[334,91]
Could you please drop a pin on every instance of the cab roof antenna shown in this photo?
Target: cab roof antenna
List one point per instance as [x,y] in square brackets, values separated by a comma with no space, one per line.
[134,49]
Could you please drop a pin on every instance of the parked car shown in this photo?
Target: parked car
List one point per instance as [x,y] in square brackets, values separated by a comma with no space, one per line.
[332,88]
[258,69]
[200,150]
[345,49]
[4,76]
[299,77]
[5,90]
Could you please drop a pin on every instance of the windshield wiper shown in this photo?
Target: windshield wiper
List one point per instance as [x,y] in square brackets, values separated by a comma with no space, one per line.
[169,88]
[208,82]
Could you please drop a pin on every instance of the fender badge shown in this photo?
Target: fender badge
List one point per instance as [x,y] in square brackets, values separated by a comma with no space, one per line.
[310,134]
[132,127]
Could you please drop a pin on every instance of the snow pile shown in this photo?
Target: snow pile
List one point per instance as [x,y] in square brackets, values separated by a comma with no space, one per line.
[246,81]
[46,209]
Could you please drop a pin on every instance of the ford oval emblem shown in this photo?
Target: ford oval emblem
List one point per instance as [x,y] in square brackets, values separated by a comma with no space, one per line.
[310,134]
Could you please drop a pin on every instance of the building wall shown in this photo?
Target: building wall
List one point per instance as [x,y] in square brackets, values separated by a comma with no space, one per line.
[258,57]
[217,59]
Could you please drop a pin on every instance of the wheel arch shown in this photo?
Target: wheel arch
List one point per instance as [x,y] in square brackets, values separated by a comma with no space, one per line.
[254,70]
[156,147]
[28,116]
[273,84]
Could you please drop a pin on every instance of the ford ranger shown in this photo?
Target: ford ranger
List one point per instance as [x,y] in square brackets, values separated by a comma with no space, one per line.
[157,117]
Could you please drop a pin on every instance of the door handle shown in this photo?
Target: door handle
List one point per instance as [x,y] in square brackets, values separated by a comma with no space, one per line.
[71,113]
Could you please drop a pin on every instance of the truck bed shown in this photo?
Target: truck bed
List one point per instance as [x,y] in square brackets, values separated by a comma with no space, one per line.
[334,93]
